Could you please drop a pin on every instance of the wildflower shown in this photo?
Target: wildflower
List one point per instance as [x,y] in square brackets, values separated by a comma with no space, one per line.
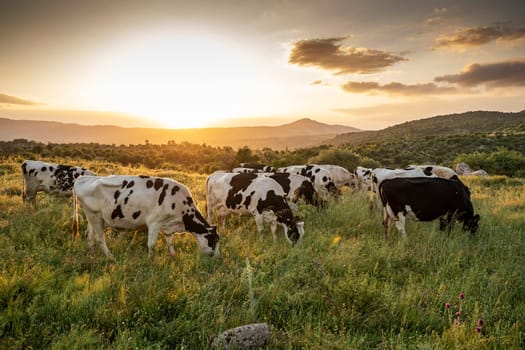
[461,296]
[447,305]
[458,313]
[480,322]
[478,329]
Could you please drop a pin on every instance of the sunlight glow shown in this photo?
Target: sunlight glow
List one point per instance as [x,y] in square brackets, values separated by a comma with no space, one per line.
[179,81]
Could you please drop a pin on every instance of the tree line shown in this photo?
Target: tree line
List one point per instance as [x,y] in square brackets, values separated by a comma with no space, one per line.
[500,153]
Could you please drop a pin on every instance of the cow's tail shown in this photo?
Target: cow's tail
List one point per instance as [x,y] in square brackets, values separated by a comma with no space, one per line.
[75,233]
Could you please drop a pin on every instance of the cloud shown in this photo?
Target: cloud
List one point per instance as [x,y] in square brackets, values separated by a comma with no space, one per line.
[499,74]
[329,54]
[16,101]
[397,89]
[478,36]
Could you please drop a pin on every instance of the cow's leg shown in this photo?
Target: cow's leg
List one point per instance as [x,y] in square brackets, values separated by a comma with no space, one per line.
[386,221]
[400,225]
[169,241]
[259,222]
[273,228]
[96,233]
[153,233]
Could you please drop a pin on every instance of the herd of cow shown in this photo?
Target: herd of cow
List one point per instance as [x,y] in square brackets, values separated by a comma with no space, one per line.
[423,192]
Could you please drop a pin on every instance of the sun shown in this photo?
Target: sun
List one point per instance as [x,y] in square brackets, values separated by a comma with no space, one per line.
[177,80]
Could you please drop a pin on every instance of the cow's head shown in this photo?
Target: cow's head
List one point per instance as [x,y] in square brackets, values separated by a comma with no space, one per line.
[471,224]
[293,229]
[209,241]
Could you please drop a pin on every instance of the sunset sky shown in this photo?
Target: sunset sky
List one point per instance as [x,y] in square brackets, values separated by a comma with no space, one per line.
[178,64]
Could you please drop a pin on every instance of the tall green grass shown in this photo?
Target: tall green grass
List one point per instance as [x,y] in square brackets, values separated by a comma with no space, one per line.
[343,287]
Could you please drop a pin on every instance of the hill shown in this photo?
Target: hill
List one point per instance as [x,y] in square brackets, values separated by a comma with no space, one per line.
[301,133]
[443,125]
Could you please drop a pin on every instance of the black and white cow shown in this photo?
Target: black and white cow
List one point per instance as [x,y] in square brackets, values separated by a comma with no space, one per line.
[132,202]
[261,167]
[252,194]
[426,199]
[56,179]
[341,176]
[321,178]
[363,179]
[296,188]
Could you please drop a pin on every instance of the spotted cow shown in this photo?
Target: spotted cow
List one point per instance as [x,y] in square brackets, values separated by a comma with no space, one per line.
[56,179]
[132,202]
[321,179]
[251,194]
[363,178]
[426,199]
[261,167]
[341,176]
[297,188]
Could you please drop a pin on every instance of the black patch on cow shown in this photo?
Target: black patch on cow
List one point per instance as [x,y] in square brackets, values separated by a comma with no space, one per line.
[116,195]
[239,183]
[158,184]
[272,202]
[173,206]
[282,179]
[124,183]
[325,179]
[77,175]
[136,214]
[117,213]
[130,184]
[31,171]
[195,223]
[163,193]
[43,168]
[51,168]
[212,237]
[144,176]
[149,184]
[367,172]
[428,171]
[24,168]
[306,191]
[317,170]
[174,190]
[248,199]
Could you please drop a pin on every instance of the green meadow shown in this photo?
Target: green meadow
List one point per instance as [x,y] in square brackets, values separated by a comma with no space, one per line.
[344,286]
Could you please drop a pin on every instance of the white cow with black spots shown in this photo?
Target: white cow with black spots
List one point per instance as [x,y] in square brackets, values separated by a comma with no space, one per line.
[131,202]
[55,179]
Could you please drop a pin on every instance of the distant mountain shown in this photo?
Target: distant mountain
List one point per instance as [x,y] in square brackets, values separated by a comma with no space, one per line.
[443,125]
[301,133]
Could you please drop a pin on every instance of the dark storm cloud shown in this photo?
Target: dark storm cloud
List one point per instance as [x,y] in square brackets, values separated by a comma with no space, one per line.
[478,36]
[395,88]
[499,74]
[16,101]
[329,54]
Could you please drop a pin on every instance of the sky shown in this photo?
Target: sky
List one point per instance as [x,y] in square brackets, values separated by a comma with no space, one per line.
[179,64]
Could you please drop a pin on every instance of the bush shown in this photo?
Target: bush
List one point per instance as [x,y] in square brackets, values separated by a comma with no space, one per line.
[499,162]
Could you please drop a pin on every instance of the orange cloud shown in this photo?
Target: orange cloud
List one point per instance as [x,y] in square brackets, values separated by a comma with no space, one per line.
[329,54]
[499,74]
[396,89]
[478,36]
[6,99]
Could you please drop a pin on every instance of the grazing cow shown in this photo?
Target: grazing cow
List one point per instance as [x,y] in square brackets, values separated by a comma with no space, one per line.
[364,177]
[340,175]
[242,170]
[263,168]
[131,202]
[426,199]
[56,179]
[321,178]
[250,194]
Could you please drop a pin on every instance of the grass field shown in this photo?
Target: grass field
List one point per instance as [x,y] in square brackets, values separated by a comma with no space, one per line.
[343,287]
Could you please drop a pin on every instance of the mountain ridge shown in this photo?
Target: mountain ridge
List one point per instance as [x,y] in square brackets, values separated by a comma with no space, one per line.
[304,132]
